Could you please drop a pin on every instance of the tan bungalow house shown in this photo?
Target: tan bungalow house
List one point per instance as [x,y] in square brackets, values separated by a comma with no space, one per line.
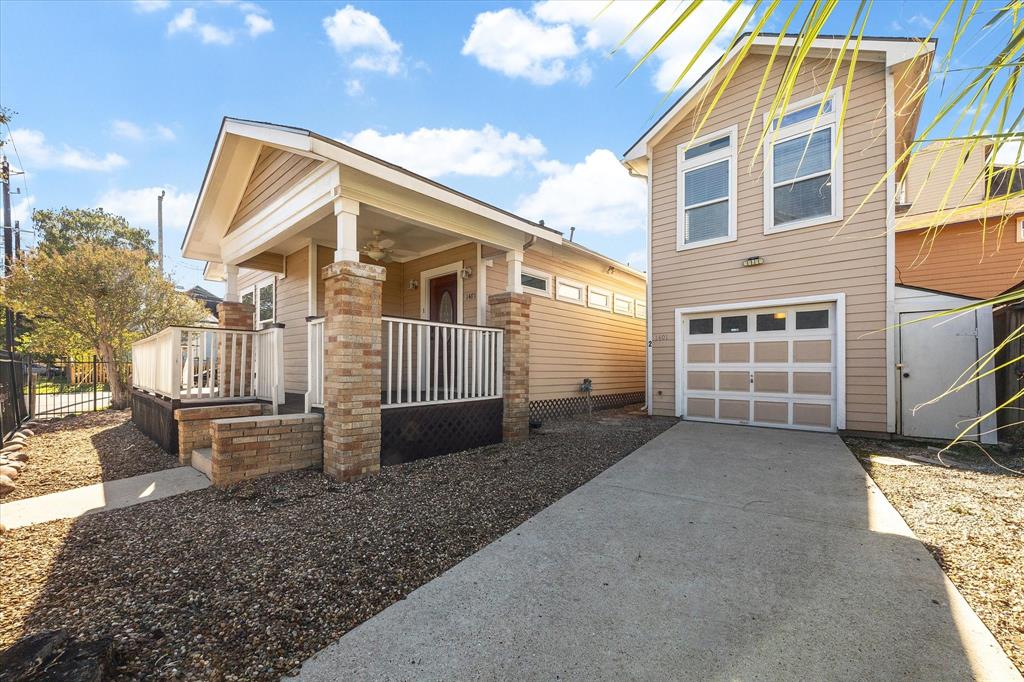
[772,284]
[417,319]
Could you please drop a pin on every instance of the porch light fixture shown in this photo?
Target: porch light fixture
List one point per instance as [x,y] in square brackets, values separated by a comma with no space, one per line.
[752,261]
[413,285]
[466,273]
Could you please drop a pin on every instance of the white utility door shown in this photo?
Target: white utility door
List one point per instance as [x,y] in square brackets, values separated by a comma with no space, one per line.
[765,367]
[933,354]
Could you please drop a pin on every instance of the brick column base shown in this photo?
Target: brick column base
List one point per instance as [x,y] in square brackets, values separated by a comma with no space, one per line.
[234,315]
[352,367]
[511,312]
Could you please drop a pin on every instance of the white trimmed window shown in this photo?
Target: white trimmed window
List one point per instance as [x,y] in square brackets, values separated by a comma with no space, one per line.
[803,176]
[569,290]
[262,295]
[536,282]
[599,298]
[640,309]
[706,202]
[1020,229]
[623,304]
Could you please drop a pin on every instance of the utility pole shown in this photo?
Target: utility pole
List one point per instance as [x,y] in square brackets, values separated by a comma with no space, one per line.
[5,171]
[160,227]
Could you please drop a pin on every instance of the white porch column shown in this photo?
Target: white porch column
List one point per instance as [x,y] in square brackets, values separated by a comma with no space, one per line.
[347,213]
[231,284]
[515,271]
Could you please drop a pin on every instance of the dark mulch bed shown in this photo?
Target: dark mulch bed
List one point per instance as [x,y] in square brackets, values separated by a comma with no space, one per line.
[86,449]
[969,512]
[249,582]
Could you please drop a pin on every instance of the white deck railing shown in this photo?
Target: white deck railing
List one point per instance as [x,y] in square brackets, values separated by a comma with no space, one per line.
[425,362]
[191,363]
[315,371]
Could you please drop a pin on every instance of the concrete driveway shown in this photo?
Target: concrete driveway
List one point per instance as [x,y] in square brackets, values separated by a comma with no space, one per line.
[713,552]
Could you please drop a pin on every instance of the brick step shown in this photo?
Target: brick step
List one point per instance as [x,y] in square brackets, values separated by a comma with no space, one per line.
[202,460]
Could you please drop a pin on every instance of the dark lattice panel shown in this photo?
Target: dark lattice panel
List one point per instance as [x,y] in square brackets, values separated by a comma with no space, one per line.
[566,407]
[418,431]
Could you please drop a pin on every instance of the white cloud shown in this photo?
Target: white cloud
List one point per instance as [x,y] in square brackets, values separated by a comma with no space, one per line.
[516,45]
[147,6]
[185,20]
[214,35]
[552,42]
[127,130]
[595,195]
[362,37]
[1010,153]
[22,210]
[258,25]
[38,154]
[637,260]
[353,87]
[138,206]
[435,152]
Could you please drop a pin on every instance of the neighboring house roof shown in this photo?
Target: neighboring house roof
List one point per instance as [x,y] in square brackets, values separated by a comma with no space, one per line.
[895,50]
[311,144]
[960,214]
[205,297]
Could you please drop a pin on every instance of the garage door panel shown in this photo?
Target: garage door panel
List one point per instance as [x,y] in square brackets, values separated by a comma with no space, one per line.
[734,381]
[812,383]
[763,366]
[700,380]
[771,351]
[734,410]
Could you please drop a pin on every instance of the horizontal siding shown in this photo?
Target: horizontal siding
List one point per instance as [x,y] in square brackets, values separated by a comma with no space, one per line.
[818,260]
[971,259]
[275,171]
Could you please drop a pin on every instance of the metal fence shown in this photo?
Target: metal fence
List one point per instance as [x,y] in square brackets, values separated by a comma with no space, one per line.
[64,386]
[15,381]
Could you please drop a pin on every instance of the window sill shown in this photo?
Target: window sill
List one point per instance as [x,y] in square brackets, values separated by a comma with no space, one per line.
[800,224]
[536,292]
[682,246]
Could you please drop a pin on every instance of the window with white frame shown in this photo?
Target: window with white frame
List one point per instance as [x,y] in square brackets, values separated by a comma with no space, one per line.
[569,290]
[1020,229]
[623,304]
[536,282]
[262,296]
[599,298]
[803,178]
[707,190]
[640,309]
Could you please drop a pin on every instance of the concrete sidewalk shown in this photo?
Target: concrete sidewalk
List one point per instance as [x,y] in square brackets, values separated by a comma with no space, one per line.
[713,552]
[69,504]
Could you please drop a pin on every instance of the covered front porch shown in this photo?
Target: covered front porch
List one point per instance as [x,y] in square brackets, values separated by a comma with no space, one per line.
[355,288]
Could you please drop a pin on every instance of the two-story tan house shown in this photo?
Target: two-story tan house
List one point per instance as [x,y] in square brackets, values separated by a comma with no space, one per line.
[771,269]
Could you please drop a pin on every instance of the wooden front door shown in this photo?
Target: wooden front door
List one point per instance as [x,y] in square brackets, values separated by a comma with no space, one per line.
[444,292]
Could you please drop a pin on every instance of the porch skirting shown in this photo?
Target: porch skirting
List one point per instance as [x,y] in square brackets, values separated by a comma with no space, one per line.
[566,407]
[419,431]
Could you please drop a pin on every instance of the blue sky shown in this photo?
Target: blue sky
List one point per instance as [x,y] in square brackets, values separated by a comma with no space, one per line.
[520,104]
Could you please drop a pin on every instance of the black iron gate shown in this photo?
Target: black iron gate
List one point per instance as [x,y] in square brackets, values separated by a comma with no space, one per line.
[62,387]
[15,380]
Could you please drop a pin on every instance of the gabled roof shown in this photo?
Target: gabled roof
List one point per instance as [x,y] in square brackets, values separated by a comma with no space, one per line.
[308,143]
[894,49]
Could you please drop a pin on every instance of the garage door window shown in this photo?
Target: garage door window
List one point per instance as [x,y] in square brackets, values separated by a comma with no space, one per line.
[771,322]
[812,319]
[702,325]
[734,324]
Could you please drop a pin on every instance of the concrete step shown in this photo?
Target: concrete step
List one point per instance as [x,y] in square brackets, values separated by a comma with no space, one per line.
[202,460]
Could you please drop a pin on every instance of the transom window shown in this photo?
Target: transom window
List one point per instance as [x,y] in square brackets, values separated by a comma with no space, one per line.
[536,282]
[803,167]
[599,298]
[707,190]
[623,304]
[640,309]
[568,290]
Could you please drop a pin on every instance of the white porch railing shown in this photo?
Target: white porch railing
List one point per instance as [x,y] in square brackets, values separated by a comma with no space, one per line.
[425,362]
[315,371]
[191,363]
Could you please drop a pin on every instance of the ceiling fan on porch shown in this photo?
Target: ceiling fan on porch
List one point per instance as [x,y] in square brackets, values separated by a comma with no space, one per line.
[377,248]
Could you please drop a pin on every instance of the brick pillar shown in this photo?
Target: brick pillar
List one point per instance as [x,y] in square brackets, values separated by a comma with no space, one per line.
[511,312]
[352,368]
[234,315]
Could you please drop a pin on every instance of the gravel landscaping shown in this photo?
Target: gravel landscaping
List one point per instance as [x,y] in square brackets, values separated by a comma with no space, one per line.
[86,449]
[247,583]
[970,515]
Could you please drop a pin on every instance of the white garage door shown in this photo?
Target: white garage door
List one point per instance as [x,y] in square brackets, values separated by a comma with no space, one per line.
[767,367]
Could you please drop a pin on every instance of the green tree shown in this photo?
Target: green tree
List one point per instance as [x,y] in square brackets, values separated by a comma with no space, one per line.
[99,296]
[61,230]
